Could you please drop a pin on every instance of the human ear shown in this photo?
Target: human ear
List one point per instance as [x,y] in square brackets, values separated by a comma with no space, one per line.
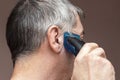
[54,39]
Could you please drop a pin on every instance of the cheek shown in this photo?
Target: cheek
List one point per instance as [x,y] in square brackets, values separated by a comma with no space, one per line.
[77,30]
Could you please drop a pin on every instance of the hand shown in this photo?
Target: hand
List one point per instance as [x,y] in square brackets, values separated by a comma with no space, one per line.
[91,64]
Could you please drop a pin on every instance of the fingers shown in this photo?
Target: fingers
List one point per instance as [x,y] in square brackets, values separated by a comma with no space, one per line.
[91,49]
[99,65]
[91,63]
[98,52]
[87,48]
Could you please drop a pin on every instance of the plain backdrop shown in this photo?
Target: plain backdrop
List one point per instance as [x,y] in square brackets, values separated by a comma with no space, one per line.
[102,25]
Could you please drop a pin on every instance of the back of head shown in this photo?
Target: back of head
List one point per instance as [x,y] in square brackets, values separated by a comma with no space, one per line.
[28,23]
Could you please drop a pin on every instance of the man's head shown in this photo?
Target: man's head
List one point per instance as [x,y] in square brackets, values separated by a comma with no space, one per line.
[31,20]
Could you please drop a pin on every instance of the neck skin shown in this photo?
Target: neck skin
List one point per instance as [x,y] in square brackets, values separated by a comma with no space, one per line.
[42,65]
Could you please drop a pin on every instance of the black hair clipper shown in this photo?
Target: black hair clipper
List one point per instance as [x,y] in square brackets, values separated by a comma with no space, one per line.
[72,43]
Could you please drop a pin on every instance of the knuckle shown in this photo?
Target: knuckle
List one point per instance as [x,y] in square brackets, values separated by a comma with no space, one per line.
[91,44]
[108,62]
[101,50]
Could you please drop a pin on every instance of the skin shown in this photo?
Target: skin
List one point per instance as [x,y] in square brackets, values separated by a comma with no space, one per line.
[52,62]
[91,63]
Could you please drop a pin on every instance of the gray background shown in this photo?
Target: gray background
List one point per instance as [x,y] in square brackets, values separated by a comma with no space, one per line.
[102,25]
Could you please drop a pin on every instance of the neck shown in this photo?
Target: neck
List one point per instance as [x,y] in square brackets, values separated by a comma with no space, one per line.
[38,67]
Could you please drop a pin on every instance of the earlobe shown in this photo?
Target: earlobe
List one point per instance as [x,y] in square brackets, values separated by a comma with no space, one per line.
[53,36]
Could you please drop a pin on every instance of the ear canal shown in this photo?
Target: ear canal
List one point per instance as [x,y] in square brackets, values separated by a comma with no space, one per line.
[57,40]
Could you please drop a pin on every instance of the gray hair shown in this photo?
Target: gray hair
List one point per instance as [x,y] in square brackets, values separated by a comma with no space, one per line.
[30,19]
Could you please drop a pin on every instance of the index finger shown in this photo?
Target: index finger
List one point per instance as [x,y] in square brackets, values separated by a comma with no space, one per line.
[86,49]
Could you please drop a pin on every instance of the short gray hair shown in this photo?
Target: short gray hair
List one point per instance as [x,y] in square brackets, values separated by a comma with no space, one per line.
[30,19]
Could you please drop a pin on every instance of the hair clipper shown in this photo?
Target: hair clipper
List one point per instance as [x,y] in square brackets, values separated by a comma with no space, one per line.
[72,43]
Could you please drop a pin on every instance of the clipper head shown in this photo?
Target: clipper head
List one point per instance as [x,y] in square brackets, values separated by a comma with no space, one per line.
[72,43]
